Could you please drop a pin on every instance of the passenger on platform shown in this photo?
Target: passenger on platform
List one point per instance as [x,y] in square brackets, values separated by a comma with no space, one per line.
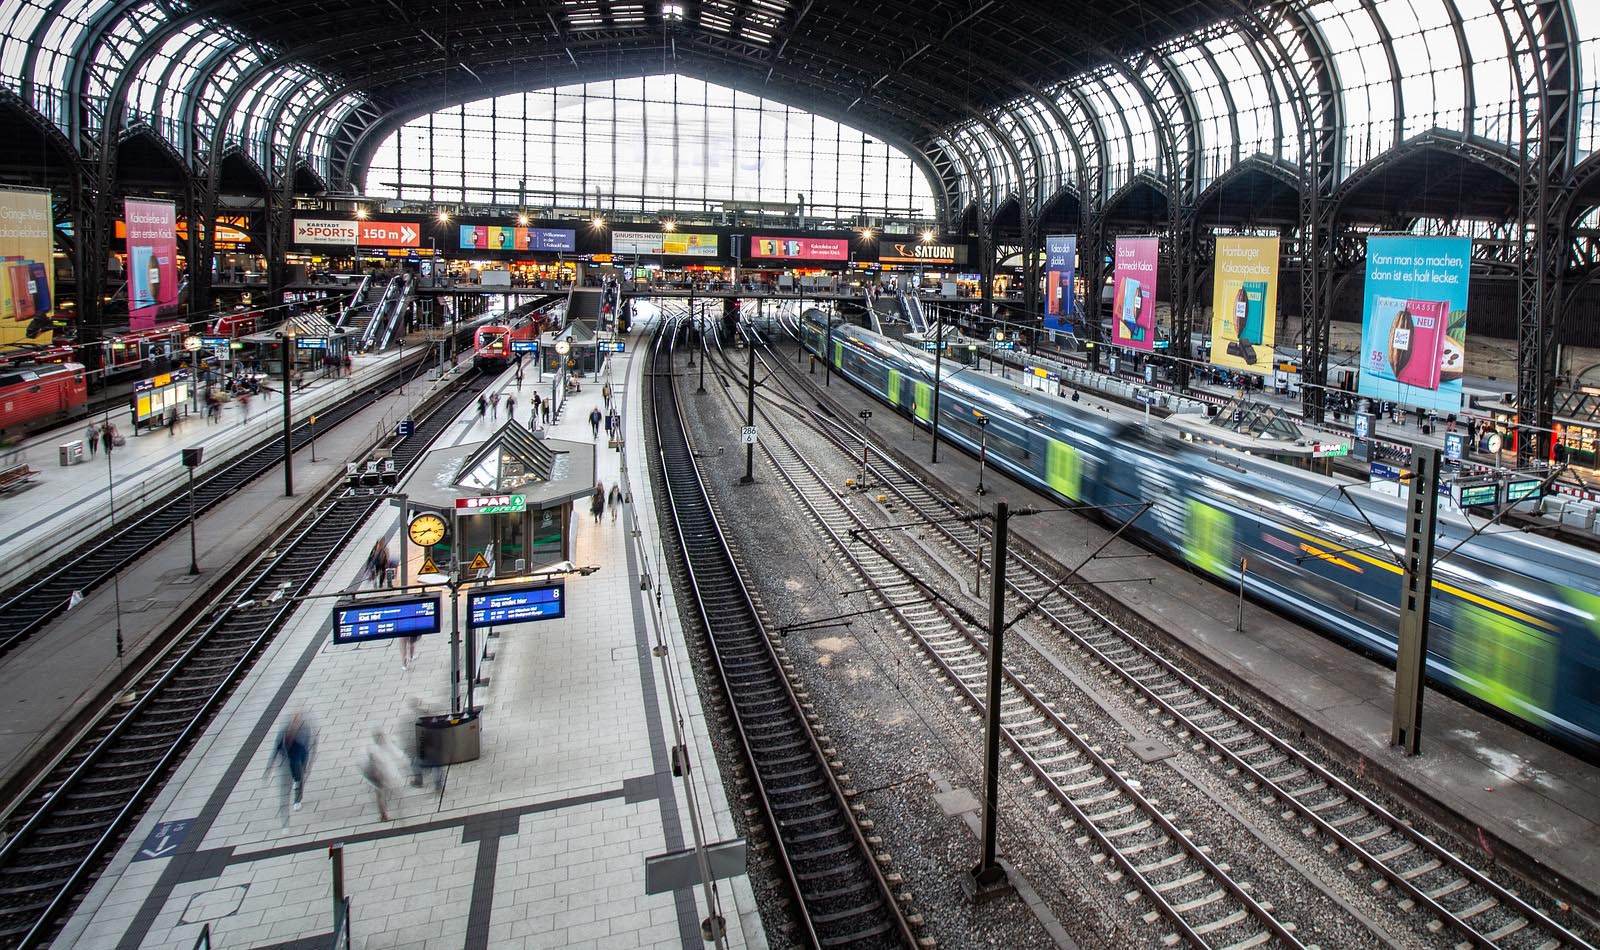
[107,435]
[91,435]
[244,407]
[172,421]
[614,499]
[378,563]
[494,405]
[382,770]
[408,650]
[295,743]
[594,421]
[544,413]
[349,365]
[483,406]
[597,503]
[511,406]
[420,767]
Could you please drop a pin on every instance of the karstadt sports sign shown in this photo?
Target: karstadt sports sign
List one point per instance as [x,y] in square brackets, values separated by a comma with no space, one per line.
[324,231]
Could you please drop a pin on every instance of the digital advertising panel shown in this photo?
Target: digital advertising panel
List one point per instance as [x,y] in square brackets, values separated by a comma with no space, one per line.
[1060,262]
[27,279]
[152,259]
[800,248]
[494,237]
[912,251]
[1133,301]
[388,234]
[1414,320]
[1244,304]
[677,243]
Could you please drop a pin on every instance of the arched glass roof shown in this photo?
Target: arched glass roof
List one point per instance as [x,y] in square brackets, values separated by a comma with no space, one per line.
[645,144]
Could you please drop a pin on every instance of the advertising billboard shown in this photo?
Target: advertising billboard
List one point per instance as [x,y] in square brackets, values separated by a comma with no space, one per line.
[913,251]
[800,249]
[1060,260]
[1244,304]
[493,237]
[152,259]
[677,243]
[1133,301]
[1414,320]
[27,279]
[330,231]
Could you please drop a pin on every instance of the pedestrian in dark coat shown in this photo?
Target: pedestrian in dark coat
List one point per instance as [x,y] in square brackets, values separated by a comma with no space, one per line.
[597,503]
[594,421]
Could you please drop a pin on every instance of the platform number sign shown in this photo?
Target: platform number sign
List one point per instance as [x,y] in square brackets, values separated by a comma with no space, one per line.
[747,435]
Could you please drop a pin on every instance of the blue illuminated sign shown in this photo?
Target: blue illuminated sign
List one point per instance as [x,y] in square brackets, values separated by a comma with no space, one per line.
[214,341]
[497,606]
[310,343]
[524,346]
[612,346]
[385,620]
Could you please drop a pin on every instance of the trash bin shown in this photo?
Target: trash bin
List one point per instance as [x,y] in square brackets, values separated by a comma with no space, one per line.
[447,740]
[71,452]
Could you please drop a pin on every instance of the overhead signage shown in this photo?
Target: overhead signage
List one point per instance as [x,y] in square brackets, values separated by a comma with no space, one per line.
[612,346]
[1060,262]
[27,277]
[310,343]
[389,234]
[492,505]
[1478,496]
[494,237]
[1244,304]
[375,234]
[214,341]
[1414,324]
[1133,302]
[1455,444]
[505,605]
[1522,488]
[524,346]
[801,248]
[385,620]
[912,251]
[330,231]
[152,260]
[679,243]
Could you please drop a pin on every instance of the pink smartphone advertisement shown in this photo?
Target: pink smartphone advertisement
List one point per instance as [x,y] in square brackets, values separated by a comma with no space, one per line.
[1133,301]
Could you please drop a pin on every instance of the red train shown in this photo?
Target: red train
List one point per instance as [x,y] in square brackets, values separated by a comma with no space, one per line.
[36,395]
[492,345]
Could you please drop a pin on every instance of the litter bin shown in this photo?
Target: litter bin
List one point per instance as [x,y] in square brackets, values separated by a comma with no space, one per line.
[447,740]
[71,452]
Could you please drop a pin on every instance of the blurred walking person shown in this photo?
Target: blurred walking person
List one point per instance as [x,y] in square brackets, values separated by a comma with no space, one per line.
[382,771]
[597,503]
[294,746]
[614,500]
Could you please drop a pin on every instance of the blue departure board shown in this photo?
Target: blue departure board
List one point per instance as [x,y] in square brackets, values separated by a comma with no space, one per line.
[506,605]
[385,620]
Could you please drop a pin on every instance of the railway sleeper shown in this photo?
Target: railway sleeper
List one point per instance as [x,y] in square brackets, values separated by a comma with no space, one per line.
[1236,917]
[1193,877]
[1204,900]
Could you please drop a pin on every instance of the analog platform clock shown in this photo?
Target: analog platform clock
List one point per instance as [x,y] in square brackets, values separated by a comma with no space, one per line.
[426,530]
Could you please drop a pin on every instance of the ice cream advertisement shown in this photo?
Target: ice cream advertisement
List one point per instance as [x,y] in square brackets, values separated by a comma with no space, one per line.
[152,260]
[1133,301]
[1414,324]
[1244,302]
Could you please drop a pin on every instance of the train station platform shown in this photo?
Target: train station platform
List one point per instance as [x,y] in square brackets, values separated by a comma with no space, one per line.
[541,842]
[69,504]
[1498,788]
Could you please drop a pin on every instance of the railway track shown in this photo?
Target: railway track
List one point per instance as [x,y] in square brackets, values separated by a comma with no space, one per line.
[76,815]
[844,898]
[29,605]
[1385,852]
[1204,901]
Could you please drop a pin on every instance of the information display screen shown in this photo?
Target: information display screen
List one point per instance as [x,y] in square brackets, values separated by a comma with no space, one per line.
[506,605]
[1479,496]
[385,620]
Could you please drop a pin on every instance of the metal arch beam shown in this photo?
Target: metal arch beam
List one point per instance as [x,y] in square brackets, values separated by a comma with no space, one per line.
[1226,89]
[1469,88]
[1387,41]
[30,61]
[1275,168]
[1479,150]
[1543,53]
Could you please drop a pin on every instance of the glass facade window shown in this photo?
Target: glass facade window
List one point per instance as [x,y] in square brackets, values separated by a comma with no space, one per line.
[648,144]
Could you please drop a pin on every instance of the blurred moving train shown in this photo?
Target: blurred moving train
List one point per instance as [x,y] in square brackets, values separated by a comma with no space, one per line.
[1515,617]
[492,345]
[36,395]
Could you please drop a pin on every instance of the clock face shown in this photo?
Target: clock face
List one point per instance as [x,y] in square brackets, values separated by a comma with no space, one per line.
[426,530]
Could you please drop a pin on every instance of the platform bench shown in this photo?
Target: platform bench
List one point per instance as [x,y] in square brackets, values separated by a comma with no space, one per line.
[16,476]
